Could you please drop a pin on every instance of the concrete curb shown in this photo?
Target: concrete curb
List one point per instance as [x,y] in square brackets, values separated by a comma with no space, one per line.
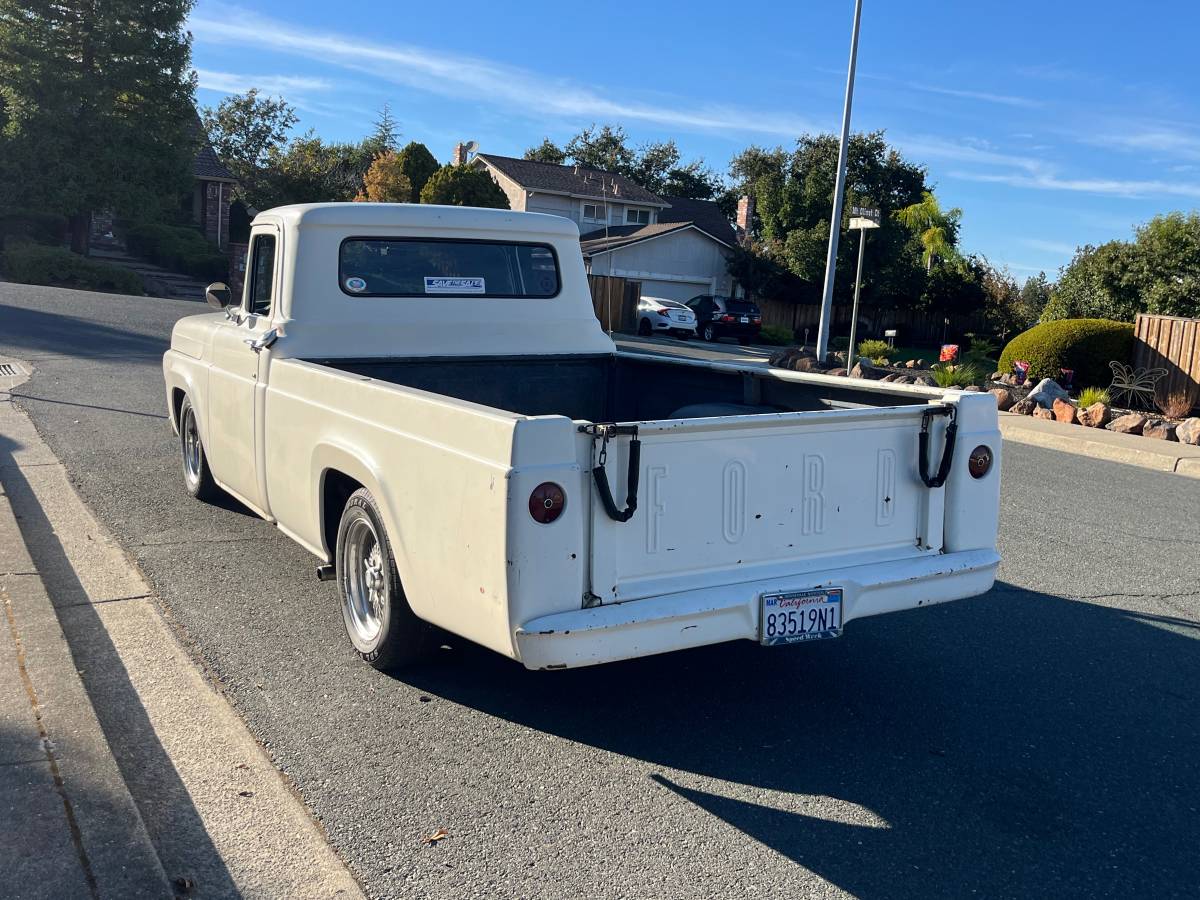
[1097,443]
[85,798]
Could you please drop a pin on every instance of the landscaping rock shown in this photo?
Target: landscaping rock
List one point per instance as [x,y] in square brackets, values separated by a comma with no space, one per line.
[905,379]
[911,364]
[921,364]
[889,377]
[1133,423]
[1025,407]
[783,359]
[866,370]
[807,364]
[1047,391]
[996,376]
[1160,429]
[1004,398]
[1095,416]
[1041,413]
[1188,432]
[973,388]
[926,380]
[839,372]
[1065,412]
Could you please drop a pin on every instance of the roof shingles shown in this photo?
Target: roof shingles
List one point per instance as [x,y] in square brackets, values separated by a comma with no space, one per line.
[576,181]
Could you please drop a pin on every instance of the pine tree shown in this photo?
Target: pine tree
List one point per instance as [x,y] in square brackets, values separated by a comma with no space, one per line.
[96,107]
[419,165]
[386,135]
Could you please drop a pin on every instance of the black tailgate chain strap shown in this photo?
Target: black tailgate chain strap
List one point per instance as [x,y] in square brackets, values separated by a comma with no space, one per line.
[604,432]
[947,453]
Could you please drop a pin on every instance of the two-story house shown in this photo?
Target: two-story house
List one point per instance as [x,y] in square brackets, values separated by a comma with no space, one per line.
[676,248]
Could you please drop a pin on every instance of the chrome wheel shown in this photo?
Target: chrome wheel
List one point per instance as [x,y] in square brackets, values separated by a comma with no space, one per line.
[365,589]
[192,448]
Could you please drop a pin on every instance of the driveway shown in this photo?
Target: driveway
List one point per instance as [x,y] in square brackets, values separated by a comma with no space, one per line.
[1042,740]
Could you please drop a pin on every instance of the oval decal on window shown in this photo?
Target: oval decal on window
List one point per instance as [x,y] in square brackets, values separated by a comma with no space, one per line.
[356,284]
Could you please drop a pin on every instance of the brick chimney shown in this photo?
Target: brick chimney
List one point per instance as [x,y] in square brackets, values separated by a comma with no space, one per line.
[460,154]
[745,217]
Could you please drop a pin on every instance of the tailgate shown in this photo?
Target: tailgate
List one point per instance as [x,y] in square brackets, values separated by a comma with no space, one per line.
[738,498]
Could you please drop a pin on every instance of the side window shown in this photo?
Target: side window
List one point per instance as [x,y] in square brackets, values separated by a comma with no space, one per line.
[262,275]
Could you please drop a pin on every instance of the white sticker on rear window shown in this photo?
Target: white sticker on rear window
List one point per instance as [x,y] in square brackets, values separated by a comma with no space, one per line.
[454,285]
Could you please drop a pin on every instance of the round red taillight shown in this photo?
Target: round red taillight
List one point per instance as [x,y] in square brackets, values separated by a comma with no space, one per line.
[980,461]
[546,502]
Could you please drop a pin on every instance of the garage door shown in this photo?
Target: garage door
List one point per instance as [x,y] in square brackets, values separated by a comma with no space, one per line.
[683,291]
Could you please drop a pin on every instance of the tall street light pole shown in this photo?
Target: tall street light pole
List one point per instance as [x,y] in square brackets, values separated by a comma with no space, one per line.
[839,195]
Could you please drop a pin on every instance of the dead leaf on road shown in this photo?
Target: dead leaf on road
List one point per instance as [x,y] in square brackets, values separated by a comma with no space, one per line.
[435,837]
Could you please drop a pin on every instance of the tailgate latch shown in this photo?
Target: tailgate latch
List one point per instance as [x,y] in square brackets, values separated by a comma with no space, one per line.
[600,475]
[947,452]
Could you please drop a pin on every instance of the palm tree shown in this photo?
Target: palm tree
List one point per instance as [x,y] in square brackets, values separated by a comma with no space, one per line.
[938,230]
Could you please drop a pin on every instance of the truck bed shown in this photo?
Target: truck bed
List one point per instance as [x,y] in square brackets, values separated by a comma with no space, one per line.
[616,388]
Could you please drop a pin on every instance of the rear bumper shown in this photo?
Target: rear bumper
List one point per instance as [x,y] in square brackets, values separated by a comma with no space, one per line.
[635,628]
[664,325]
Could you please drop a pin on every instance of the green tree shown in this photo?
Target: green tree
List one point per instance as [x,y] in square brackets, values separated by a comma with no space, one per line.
[937,230]
[247,131]
[95,107]
[309,170]
[1035,294]
[793,194]
[463,186]
[385,181]
[1099,283]
[386,135]
[548,152]
[418,165]
[656,166]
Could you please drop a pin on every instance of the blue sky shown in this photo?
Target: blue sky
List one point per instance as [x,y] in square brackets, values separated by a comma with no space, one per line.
[1050,124]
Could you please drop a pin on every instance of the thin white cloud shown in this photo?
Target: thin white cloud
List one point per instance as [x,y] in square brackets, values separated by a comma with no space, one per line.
[1112,187]
[1049,246]
[276,85]
[1161,139]
[984,96]
[449,74]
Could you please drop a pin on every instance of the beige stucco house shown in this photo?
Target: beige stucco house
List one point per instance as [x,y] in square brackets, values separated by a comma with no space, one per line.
[675,247]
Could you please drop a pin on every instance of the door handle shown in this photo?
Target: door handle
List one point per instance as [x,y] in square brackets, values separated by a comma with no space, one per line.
[262,343]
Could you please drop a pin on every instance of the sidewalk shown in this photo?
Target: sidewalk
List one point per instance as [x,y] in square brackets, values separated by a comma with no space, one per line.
[71,829]
[123,772]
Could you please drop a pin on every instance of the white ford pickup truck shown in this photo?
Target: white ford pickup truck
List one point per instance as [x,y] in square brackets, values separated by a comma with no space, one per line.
[423,398]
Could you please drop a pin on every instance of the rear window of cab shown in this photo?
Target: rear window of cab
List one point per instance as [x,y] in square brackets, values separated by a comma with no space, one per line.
[423,267]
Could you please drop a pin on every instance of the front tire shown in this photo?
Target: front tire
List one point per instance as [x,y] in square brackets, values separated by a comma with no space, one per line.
[381,625]
[197,477]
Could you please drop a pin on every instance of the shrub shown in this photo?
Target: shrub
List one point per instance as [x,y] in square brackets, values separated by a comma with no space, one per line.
[1085,345]
[1176,402]
[23,225]
[873,348]
[776,336]
[1091,395]
[37,264]
[957,376]
[179,248]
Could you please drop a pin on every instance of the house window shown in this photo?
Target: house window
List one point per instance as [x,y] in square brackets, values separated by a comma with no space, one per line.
[637,217]
[594,212]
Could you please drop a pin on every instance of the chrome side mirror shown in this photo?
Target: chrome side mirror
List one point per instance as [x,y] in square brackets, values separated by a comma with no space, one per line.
[218,295]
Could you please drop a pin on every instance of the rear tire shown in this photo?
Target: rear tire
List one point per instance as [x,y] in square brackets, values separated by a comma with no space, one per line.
[381,625]
[709,334]
[197,477]
[644,328]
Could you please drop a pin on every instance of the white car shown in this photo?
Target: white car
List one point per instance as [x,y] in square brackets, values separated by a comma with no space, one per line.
[422,397]
[657,316]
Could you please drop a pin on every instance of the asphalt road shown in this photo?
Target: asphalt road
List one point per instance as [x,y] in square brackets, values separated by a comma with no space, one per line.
[1043,740]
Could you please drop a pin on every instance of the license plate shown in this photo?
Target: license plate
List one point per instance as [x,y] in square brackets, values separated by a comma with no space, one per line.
[799,616]
[745,318]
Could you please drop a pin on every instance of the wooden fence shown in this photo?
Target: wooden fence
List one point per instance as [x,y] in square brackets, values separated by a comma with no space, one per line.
[913,326]
[615,301]
[1170,343]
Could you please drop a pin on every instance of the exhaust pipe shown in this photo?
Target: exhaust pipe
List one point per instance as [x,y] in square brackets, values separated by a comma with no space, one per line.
[326,573]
